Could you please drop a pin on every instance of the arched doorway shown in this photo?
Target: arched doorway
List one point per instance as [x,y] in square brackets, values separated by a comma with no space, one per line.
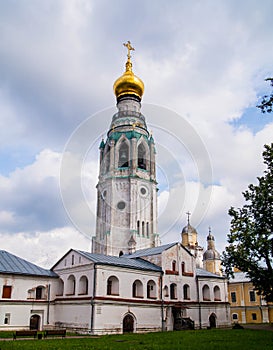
[128,324]
[212,321]
[35,322]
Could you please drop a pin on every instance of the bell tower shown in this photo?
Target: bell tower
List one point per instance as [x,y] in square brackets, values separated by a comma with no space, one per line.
[127,187]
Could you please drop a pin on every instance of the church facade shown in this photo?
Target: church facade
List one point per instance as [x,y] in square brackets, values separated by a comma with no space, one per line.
[128,282]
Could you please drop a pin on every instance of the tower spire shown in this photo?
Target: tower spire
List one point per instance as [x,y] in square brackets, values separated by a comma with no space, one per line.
[127,176]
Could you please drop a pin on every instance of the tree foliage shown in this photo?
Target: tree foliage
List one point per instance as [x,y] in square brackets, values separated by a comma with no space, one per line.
[250,239]
[266,105]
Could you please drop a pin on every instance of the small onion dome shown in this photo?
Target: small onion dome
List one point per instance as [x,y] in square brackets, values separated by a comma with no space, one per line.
[210,237]
[211,254]
[189,229]
[128,83]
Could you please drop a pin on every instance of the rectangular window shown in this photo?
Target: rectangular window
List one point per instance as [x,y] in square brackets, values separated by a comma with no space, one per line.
[233,297]
[254,317]
[6,293]
[252,296]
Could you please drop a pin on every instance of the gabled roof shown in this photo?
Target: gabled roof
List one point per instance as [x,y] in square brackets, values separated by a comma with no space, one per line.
[122,261]
[205,273]
[150,251]
[12,264]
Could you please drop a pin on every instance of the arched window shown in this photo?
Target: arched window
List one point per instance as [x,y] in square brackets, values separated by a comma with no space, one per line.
[174,265]
[173,291]
[137,289]
[83,285]
[138,227]
[186,292]
[143,228]
[141,157]
[123,159]
[151,290]
[60,288]
[206,293]
[40,292]
[147,229]
[217,293]
[166,291]
[71,285]
[113,286]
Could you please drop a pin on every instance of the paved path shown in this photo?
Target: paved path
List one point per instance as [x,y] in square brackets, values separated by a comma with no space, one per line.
[265,326]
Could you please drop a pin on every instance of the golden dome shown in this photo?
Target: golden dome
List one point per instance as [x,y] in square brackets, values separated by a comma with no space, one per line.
[128,83]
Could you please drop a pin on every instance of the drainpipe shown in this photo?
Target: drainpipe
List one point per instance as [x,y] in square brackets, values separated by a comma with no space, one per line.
[48,303]
[199,304]
[92,300]
[162,304]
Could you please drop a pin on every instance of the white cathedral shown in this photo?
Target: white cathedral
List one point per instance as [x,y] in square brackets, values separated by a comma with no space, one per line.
[129,282]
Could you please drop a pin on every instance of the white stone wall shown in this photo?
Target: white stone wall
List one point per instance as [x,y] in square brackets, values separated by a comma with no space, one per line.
[23,303]
[146,318]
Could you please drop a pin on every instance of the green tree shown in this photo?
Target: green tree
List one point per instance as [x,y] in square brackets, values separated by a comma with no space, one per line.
[266,105]
[250,239]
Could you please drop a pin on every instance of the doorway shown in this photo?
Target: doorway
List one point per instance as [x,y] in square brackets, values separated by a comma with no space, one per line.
[212,321]
[128,324]
[34,323]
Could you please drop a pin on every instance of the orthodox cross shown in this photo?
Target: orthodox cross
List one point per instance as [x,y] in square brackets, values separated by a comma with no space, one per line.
[129,47]
[188,214]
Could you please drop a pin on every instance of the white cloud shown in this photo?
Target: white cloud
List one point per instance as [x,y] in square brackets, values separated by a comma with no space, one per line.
[44,248]
[30,196]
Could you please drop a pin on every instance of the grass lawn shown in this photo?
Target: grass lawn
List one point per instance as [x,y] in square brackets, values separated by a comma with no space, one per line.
[220,339]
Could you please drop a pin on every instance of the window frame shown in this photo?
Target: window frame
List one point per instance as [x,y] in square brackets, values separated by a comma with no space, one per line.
[6,292]
[252,296]
[233,297]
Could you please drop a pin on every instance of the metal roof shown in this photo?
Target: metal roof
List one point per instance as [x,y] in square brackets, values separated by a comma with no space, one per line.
[12,264]
[205,273]
[150,251]
[122,261]
[239,277]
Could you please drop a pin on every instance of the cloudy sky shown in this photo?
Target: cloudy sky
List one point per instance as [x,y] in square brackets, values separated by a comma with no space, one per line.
[203,64]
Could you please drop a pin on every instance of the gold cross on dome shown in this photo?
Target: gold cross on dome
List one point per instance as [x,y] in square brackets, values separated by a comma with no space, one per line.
[129,47]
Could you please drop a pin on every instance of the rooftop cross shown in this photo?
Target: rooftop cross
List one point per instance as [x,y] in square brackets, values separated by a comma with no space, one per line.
[188,214]
[130,48]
